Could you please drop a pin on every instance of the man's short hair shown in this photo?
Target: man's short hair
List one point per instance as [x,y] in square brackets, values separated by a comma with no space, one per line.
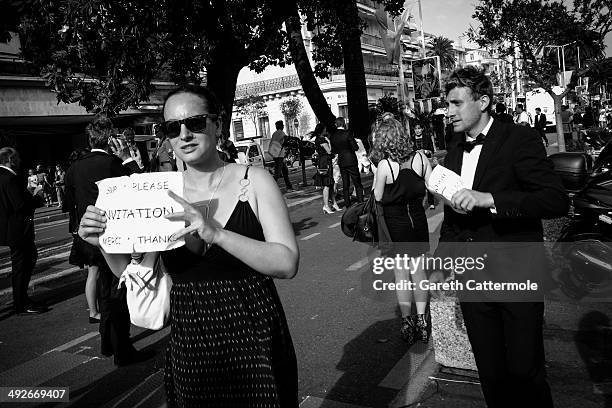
[9,157]
[538,109]
[99,131]
[279,124]
[474,79]
[340,122]
[519,106]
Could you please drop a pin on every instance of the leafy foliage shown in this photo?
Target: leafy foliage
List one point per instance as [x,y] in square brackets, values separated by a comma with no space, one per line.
[105,55]
[532,27]
[390,104]
[251,106]
[443,47]
[291,107]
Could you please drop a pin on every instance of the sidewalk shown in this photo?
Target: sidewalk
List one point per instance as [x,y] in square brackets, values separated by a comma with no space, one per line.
[578,346]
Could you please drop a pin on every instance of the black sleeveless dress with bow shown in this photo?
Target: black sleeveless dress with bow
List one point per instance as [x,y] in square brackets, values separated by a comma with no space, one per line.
[229,344]
[405,217]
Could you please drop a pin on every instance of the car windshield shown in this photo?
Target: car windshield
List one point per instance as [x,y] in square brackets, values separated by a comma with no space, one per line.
[242,149]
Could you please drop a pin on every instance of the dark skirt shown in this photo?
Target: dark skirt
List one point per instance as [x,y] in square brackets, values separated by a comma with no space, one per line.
[229,346]
[324,176]
[82,253]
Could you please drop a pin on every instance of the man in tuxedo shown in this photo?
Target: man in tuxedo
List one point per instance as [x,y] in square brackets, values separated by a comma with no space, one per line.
[81,191]
[17,206]
[511,186]
[344,145]
[540,125]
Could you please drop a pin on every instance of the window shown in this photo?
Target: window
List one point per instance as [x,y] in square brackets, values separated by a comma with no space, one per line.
[264,126]
[343,110]
[238,130]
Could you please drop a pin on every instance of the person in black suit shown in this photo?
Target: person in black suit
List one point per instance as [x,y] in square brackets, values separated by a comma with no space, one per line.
[501,113]
[511,186]
[17,206]
[344,145]
[540,124]
[81,191]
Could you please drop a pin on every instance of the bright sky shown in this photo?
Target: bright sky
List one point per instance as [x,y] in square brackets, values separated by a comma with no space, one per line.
[452,18]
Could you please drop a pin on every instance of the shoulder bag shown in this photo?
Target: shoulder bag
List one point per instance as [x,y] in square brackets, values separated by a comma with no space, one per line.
[148,291]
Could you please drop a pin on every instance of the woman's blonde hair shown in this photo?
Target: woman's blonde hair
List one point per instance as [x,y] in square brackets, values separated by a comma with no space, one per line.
[390,141]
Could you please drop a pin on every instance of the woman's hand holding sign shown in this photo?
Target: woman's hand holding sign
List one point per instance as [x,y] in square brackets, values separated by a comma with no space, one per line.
[196,223]
[93,223]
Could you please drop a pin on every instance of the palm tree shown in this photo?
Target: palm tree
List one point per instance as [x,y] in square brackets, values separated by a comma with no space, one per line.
[443,47]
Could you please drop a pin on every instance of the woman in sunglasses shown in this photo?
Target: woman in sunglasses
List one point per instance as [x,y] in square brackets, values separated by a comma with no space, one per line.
[230,344]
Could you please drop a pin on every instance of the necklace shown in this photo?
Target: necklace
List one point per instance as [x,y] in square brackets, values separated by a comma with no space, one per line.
[207,206]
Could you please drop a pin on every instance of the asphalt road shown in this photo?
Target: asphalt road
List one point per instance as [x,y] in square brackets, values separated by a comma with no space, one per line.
[345,333]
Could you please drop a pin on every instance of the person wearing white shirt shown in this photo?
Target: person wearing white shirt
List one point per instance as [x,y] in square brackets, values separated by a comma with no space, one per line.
[510,186]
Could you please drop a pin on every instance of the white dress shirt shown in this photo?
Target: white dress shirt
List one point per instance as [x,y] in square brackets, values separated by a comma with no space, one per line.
[470,159]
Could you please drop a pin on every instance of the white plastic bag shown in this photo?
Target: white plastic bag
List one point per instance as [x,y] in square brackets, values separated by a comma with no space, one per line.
[148,291]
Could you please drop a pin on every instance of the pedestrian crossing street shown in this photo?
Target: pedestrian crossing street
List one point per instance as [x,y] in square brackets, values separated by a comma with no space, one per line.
[80,355]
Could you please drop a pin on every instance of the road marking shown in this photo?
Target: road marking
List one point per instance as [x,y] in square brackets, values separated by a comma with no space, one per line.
[74,342]
[153,337]
[50,225]
[42,369]
[44,279]
[316,402]
[359,264]
[305,200]
[307,237]
[334,225]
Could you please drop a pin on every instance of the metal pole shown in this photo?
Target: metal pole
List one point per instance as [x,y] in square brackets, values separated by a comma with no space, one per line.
[563,72]
[580,78]
[422,32]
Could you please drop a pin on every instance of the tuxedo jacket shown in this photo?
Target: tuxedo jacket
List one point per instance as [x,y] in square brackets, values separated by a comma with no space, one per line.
[514,168]
[344,145]
[540,121]
[81,188]
[16,210]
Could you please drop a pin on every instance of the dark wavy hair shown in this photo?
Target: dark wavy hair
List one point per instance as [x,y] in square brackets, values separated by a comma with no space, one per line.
[474,79]
[99,130]
[390,141]
[213,105]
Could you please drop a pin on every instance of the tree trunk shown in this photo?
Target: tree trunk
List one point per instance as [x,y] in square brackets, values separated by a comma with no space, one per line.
[221,77]
[311,88]
[356,91]
[558,99]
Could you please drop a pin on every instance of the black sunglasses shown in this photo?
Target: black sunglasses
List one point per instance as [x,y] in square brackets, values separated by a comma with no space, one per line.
[197,123]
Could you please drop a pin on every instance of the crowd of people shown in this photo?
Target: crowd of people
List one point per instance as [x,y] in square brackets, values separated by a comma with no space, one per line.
[230,343]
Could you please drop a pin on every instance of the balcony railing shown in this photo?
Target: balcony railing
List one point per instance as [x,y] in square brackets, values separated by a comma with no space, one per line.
[373,40]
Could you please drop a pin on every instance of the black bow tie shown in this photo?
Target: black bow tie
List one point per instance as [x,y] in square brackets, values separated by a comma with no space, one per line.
[468,146]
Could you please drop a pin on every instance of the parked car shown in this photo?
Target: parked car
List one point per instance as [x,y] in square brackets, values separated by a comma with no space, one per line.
[251,152]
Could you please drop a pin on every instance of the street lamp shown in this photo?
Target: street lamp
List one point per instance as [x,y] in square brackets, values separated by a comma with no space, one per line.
[561,60]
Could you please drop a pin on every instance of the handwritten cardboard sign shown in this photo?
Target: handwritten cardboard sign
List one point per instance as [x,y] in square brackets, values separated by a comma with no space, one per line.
[135,207]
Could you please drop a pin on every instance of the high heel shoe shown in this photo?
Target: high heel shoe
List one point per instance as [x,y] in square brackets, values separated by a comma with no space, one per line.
[336,207]
[423,327]
[327,210]
[408,331]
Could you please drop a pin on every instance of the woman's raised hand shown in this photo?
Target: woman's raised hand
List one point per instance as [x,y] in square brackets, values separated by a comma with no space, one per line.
[195,222]
[93,223]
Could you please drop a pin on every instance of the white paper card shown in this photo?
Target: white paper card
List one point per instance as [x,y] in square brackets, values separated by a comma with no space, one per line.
[135,207]
[444,182]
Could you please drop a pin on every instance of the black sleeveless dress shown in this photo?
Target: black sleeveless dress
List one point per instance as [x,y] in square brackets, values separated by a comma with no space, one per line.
[229,344]
[402,203]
